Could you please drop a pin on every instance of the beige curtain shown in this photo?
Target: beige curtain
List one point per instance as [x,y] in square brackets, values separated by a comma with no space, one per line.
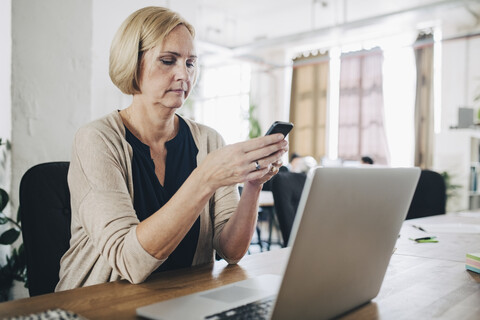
[424,101]
[361,129]
[308,105]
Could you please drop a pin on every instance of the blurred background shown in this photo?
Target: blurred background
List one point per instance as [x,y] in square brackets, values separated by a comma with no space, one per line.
[395,80]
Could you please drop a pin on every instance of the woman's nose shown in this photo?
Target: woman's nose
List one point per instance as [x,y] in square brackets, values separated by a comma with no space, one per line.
[181,72]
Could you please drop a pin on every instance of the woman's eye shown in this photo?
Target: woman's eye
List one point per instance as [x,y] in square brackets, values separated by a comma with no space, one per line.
[167,62]
[190,64]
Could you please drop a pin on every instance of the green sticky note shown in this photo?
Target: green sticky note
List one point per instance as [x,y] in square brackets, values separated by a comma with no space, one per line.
[432,240]
[474,256]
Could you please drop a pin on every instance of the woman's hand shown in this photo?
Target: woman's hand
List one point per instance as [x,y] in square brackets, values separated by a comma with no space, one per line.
[273,170]
[255,161]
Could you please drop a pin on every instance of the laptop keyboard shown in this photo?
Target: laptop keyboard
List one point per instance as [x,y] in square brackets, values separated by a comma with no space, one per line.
[255,310]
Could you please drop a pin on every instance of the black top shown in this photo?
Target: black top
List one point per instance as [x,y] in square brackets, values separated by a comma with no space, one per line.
[150,195]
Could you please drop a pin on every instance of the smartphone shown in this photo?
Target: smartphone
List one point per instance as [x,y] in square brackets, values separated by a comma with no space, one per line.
[280,127]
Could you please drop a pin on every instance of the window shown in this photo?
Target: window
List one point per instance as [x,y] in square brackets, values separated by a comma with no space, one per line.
[223,100]
[308,108]
[361,108]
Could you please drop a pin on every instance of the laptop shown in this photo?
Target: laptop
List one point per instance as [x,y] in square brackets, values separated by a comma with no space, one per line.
[343,236]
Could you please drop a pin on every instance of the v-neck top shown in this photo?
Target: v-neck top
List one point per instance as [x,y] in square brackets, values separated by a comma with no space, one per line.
[150,195]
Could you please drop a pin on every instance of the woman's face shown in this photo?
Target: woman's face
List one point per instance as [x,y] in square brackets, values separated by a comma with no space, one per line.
[167,72]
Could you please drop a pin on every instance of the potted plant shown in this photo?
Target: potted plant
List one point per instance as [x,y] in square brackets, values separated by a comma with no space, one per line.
[15,267]
[255,130]
[451,189]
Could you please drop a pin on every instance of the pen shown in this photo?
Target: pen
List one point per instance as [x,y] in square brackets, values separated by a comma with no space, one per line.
[425,239]
[419,228]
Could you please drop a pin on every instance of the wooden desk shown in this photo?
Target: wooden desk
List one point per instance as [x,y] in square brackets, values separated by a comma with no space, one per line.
[425,281]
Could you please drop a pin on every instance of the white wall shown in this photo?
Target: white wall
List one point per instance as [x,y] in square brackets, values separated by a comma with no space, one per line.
[459,84]
[5,105]
[5,100]
[105,96]
[460,81]
[51,74]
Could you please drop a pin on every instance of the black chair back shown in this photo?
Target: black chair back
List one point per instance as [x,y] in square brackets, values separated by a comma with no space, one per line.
[430,196]
[286,189]
[45,215]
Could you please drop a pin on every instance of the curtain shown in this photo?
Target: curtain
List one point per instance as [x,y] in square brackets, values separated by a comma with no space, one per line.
[361,130]
[424,101]
[308,105]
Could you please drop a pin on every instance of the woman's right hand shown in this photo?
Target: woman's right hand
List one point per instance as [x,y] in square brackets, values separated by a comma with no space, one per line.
[237,162]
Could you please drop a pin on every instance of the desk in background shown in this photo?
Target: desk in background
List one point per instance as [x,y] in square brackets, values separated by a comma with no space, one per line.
[265,199]
[423,281]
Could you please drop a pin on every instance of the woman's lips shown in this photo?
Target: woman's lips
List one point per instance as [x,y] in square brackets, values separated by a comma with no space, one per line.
[177,91]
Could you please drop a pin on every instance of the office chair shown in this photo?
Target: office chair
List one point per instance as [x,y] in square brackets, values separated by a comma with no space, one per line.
[287,188]
[45,216]
[430,196]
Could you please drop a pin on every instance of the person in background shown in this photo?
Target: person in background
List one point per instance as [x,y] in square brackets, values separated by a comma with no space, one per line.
[301,163]
[150,189]
[366,160]
[295,159]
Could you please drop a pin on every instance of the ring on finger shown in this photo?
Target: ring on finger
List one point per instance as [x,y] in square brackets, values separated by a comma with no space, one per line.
[257,165]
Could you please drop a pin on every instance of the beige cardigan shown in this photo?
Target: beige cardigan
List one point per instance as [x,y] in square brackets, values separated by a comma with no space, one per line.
[104,246]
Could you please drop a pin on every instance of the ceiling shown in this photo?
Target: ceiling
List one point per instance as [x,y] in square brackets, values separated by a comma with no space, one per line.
[247,25]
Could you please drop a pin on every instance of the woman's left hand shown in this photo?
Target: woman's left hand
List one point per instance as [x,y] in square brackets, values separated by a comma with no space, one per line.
[273,170]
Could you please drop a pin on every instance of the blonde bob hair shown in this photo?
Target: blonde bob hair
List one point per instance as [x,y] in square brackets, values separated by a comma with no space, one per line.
[141,31]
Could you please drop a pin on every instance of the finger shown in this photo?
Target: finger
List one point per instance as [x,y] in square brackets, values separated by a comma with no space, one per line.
[267,152]
[270,173]
[260,142]
[241,157]
[274,159]
[258,166]
[274,170]
[257,174]
[278,163]
[268,165]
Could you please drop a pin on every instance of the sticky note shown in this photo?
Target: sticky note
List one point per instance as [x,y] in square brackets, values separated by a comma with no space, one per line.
[473,262]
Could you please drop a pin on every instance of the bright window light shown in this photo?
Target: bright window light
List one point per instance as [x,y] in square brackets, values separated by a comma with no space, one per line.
[334,103]
[224,100]
[399,97]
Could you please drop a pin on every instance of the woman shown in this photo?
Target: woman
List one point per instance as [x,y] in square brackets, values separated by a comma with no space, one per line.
[150,190]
